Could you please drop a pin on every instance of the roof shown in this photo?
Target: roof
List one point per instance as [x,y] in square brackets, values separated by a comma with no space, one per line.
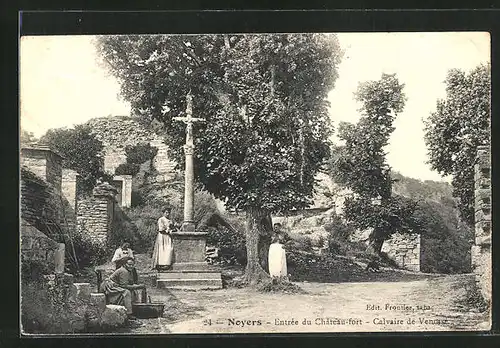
[41,147]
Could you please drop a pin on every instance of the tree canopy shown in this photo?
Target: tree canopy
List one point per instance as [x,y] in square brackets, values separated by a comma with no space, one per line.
[264,100]
[460,124]
[263,97]
[82,152]
[360,164]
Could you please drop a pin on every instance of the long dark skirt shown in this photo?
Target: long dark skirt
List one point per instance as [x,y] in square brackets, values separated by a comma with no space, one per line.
[114,293]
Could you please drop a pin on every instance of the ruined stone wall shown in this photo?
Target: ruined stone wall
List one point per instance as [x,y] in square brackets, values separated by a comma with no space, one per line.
[404,249]
[36,246]
[116,132]
[481,250]
[33,198]
[41,201]
[95,213]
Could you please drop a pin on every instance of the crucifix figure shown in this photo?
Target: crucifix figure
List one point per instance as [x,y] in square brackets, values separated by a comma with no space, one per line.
[188,224]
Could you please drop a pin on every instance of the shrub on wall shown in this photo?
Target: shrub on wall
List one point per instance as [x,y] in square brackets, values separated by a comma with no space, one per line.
[127,169]
[140,153]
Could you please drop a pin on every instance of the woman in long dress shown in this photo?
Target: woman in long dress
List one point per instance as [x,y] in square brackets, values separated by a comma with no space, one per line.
[163,252]
[277,259]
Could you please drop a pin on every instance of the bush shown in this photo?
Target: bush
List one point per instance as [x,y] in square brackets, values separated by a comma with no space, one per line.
[299,242]
[145,218]
[338,236]
[140,153]
[124,230]
[231,244]
[89,253]
[127,169]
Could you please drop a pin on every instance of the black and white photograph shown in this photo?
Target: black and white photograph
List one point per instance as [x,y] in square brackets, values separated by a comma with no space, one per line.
[236,183]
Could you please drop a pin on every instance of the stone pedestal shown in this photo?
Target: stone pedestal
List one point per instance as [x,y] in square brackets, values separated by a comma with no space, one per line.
[190,270]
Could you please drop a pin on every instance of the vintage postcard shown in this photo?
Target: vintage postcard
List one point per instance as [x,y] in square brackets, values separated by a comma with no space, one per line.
[255,183]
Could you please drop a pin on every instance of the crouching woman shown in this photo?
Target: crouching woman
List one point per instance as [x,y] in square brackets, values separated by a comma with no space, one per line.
[120,289]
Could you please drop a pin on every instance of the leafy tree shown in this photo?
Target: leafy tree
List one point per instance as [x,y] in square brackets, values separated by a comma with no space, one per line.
[82,152]
[264,101]
[460,124]
[360,164]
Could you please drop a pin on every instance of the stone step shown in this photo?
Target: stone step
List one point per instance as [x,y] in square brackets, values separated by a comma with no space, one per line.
[192,266]
[194,284]
[188,275]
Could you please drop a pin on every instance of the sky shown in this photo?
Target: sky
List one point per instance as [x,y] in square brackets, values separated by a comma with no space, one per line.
[62,83]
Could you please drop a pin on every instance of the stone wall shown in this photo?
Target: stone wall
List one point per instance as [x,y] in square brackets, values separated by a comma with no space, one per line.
[95,213]
[116,132]
[34,195]
[36,246]
[47,167]
[404,249]
[56,304]
[481,250]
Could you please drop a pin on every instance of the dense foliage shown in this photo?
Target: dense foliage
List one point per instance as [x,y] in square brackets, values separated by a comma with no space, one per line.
[360,164]
[460,124]
[89,253]
[264,101]
[338,235]
[231,244]
[135,156]
[445,239]
[127,169]
[140,153]
[81,152]
[257,93]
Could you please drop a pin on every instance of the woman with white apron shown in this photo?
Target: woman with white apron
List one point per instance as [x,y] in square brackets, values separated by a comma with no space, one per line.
[277,259]
[163,252]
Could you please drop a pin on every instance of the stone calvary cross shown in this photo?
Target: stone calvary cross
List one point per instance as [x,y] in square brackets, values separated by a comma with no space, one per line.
[188,224]
[189,270]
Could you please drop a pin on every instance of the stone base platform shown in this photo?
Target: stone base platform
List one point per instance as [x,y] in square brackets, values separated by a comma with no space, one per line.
[191,276]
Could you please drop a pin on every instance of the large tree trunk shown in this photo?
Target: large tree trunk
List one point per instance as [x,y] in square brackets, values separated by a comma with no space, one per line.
[256,234]
[375,242]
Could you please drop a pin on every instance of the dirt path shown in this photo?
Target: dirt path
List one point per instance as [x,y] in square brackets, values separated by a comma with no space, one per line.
[433,304]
